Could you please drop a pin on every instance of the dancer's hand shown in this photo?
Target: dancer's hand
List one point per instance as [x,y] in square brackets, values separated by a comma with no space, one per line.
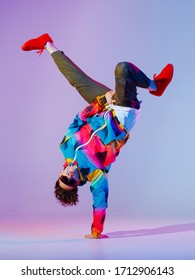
[92,236]
[109,96]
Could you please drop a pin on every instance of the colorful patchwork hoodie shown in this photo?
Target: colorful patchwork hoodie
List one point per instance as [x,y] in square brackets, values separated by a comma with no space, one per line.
[94,140]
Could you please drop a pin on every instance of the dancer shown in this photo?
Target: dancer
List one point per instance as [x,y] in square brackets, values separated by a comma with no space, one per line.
[96,135]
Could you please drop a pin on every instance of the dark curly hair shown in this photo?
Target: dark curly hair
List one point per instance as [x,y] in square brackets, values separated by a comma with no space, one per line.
[66,198]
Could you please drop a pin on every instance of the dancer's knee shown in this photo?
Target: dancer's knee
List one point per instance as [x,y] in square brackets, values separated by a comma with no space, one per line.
[121,70]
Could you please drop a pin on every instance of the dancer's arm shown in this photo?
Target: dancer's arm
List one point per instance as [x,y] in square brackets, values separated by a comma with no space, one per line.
[99,190]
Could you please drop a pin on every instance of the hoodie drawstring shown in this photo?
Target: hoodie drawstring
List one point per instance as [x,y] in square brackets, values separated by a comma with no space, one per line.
[85,144]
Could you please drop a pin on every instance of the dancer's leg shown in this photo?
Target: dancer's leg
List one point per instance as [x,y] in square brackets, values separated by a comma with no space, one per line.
[88,88]
[128,77]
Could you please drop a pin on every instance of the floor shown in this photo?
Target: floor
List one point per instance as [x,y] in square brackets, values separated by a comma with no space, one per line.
[49,238]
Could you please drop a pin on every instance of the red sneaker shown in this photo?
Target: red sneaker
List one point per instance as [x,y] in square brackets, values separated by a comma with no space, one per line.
[163,79]
[37,43]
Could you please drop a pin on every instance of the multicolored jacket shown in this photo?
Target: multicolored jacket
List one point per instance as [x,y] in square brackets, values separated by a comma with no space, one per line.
[94,140]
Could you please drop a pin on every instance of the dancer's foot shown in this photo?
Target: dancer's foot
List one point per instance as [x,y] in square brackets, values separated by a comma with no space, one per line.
[37,43]
[163,79]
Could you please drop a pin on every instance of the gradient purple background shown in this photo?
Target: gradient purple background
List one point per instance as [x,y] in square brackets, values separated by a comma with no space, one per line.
[154,174]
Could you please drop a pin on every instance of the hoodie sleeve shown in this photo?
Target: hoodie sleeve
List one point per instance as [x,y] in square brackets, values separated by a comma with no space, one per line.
[99,190]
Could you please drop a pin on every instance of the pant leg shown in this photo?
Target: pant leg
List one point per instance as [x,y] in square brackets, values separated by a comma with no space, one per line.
[88,88]
[127,78]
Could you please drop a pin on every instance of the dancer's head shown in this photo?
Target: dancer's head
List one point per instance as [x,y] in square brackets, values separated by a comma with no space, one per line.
[66,188]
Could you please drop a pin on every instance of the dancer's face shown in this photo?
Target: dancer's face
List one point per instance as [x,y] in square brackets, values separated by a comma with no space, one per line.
[69,178]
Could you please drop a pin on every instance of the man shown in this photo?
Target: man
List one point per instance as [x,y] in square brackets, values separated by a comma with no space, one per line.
[94,139]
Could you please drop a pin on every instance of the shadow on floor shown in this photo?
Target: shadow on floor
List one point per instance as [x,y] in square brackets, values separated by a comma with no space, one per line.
[154,231]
